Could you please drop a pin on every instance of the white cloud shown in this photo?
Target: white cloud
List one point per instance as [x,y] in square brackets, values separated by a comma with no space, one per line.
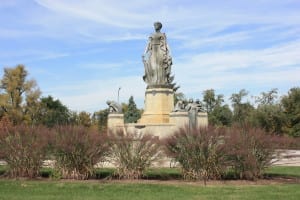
[98,20]
[110,12]
[276,56]
[101,19]
[277,65]
[29,55]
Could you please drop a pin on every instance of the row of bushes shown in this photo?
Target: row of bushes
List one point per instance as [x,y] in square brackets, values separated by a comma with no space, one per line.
[206,153]
[209,153]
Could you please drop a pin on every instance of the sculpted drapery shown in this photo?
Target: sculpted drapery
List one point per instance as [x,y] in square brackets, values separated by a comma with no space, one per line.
[157,60]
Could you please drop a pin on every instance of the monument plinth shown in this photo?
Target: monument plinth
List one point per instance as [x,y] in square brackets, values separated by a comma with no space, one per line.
[159,102]
[115,120]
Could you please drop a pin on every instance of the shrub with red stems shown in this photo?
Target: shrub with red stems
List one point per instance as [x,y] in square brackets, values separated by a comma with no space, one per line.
[249,151]
[24,148]
[200,152]
[133,153]
[77,149]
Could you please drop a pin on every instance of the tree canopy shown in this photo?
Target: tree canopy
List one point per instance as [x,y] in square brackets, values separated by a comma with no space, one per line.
[19,97]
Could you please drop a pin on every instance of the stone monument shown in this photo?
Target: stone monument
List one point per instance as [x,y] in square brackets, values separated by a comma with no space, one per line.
[159,95]
[160,117]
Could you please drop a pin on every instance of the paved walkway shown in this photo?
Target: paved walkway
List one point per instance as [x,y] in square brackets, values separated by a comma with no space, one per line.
[287,158]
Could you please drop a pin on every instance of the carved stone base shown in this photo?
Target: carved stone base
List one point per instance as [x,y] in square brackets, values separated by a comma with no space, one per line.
[159,102]
[182,119]
[115,121]
[160,130]
[202,119]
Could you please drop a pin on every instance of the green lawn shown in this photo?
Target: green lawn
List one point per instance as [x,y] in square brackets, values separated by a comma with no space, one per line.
[47,189]
[40,190]
[283,171]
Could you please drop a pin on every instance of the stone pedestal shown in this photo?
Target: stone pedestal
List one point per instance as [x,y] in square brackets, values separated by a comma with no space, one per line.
[179,119]
[115,121]
[160,130]
[202,119]
[183,119]
[159,102]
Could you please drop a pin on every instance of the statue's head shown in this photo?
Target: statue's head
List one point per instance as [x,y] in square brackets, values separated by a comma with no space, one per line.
[108,102]
[157,26]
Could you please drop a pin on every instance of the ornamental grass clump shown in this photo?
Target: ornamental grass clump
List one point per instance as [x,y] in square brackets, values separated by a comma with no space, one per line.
[200,152]
[24,148]
[77,149]
[133,153]
[249,151]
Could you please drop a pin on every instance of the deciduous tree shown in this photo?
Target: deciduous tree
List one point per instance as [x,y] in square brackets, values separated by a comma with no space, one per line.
[241,110]
[19,97]
[211,100]
[100,118]
[53,112]
[84,119]
[269,114]
[218,114]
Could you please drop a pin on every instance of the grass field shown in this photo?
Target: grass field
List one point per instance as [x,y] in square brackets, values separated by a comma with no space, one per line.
[39,190]
[284,171]
[47,189]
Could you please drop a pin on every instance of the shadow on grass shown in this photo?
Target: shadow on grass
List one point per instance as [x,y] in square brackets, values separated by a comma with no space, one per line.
[109,173]
[151,174]
[3,169]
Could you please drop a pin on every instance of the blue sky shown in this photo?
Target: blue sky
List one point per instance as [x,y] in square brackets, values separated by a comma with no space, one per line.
[80,52]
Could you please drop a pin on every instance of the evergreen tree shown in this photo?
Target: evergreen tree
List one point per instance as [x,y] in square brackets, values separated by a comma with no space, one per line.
[291,105]
[133,113]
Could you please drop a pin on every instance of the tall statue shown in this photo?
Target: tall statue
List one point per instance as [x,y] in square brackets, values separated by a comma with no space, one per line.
[157,60]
